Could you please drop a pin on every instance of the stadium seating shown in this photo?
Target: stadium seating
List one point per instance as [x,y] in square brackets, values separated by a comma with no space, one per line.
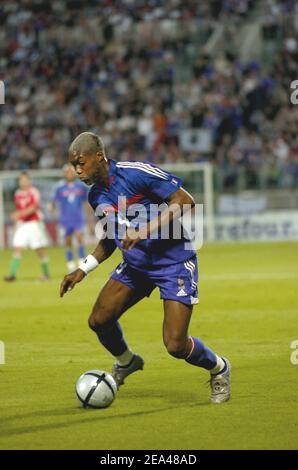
[141,76]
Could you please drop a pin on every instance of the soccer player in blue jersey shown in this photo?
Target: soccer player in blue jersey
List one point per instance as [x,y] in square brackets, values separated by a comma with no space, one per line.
[70,196]
[148,261]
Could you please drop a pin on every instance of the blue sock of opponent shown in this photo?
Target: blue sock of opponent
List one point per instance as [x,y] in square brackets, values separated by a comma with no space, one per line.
[81,251]
[69,254]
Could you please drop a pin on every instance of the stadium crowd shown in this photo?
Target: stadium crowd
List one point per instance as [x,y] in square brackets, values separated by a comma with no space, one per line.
[138,73]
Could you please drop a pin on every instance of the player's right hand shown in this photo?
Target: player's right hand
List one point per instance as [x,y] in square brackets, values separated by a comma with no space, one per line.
[70,280]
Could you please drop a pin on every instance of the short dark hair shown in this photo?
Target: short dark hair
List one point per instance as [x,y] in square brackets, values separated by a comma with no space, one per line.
[87,142]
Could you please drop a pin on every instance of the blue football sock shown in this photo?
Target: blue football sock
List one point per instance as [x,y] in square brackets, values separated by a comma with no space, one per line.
[112,339]
[69,254]
[81,251]
[201,356]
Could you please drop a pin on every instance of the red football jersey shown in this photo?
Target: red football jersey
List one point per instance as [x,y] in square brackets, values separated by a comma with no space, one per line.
[24,200]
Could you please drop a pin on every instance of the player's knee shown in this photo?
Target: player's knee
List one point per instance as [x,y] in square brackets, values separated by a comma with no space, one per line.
[176,348]
[96,324]
[93,324]
[99,321]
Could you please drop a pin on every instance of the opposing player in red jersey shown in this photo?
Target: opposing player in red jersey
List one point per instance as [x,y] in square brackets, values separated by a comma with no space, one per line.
[29,230]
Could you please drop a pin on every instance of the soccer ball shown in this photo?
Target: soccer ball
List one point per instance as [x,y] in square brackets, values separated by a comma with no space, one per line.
[96,389]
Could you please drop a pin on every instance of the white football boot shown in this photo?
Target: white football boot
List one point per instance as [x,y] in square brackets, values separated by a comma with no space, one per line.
[121,372]
[221,384]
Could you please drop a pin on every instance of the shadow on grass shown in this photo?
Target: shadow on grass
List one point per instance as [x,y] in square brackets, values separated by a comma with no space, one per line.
[84,416]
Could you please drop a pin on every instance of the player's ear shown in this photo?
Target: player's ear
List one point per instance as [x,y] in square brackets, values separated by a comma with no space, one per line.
[100,156]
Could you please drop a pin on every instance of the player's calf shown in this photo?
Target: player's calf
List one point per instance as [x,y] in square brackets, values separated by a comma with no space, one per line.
[109,332]
[196,353]
[110,335]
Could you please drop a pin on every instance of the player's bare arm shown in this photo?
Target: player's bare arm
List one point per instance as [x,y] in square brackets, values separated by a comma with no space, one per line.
[16,215]
[103,251]
[177,203]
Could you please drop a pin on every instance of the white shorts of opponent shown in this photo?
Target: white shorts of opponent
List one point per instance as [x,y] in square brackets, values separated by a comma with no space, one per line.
[30,235]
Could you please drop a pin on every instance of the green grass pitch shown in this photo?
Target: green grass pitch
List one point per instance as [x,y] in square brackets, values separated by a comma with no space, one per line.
[248,311]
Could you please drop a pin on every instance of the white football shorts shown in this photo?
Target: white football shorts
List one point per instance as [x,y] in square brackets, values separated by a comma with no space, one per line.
[30,235]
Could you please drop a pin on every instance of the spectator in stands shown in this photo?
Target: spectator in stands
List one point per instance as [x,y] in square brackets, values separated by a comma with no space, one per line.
[140,74]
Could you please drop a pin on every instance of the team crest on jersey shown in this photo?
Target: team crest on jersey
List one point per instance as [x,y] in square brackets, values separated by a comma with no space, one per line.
[181,285]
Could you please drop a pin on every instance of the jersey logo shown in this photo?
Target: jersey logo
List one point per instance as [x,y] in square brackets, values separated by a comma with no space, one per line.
[71,197]
[181,286]
[181,293]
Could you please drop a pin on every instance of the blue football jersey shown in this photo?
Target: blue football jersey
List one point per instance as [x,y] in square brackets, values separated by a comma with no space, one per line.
[140,184]
[70,198]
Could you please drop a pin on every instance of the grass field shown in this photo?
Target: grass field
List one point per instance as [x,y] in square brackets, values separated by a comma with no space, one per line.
[248,311]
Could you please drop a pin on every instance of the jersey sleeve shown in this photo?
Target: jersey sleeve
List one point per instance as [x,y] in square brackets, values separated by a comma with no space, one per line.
[149,179]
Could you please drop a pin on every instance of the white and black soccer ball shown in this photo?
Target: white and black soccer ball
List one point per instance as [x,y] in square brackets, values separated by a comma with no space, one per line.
[96,389]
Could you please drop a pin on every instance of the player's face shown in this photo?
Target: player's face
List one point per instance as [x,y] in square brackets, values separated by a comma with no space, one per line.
[88,167]
[24,182]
